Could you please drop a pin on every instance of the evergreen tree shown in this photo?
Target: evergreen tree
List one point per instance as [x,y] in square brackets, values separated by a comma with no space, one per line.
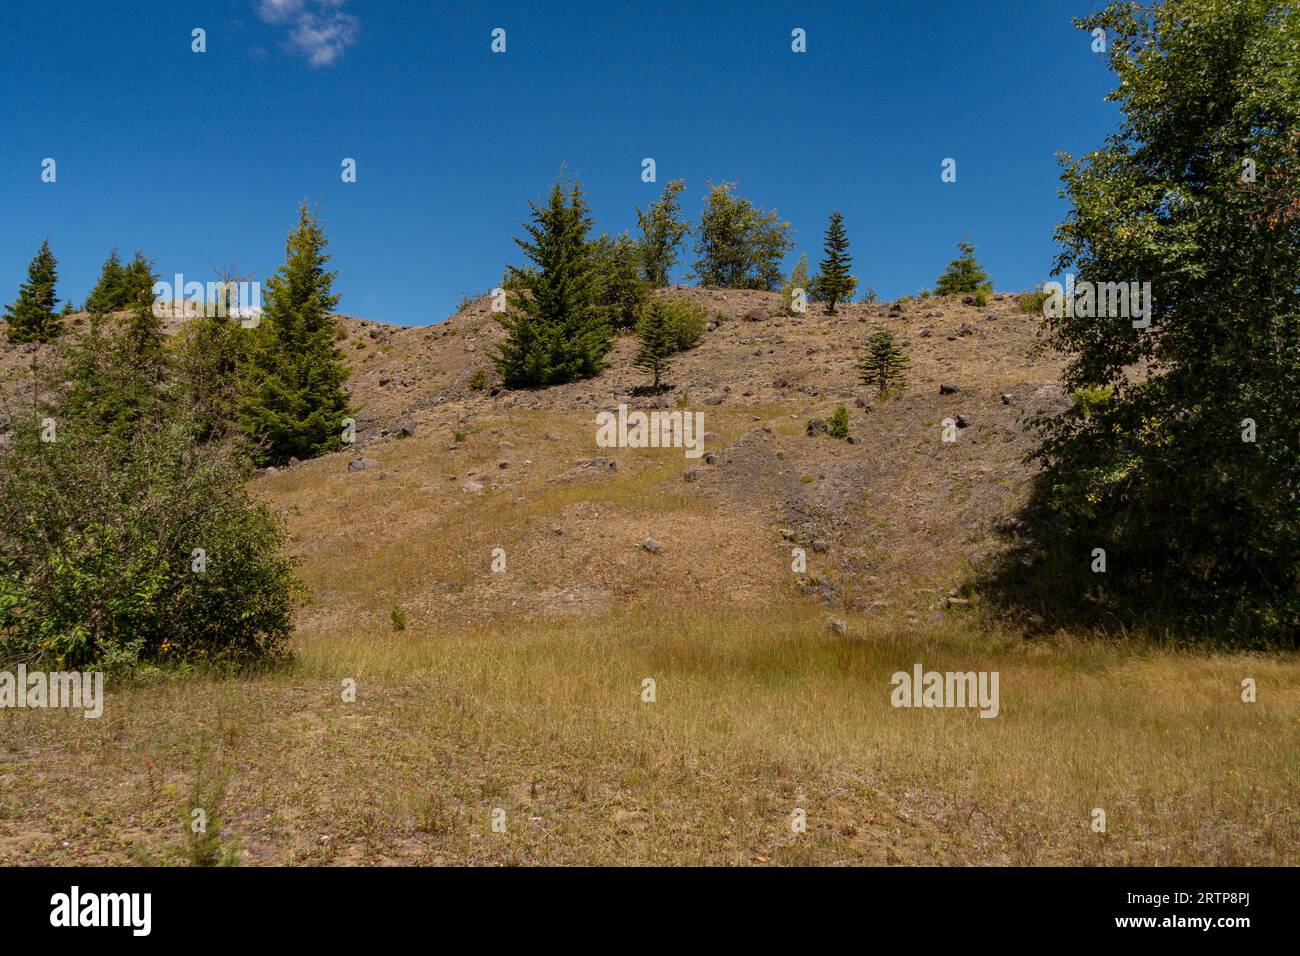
[662,232]
[31,318]
[555,330]
[291,400]
[833,283]
[963,275]
[739,245]
[107,295]
[884,363]
[657,342]
[138,279]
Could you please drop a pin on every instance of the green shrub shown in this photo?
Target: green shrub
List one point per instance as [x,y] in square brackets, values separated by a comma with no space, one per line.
[838,426]
[133,544]
[478,381]
[398,618]
[1031,303]
[685,323]
[1089,400]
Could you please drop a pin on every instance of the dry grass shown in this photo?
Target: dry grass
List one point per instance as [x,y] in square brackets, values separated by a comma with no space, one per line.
[753,718]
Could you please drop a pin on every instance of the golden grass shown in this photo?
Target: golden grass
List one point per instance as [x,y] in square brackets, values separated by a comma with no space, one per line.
[754,717]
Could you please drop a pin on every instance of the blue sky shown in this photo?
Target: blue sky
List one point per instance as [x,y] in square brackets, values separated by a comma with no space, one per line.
[200,159]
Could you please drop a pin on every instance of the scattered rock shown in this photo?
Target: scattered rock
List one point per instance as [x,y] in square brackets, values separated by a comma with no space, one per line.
[947,389]
[651,545]
[1007,398]
[820,546]
[816,426]
[472,487]
[963,421]
[362,464]
[837,626]
[713,400]
[405,428]
[691,474]
[503,463]
[294,461]
[755,315]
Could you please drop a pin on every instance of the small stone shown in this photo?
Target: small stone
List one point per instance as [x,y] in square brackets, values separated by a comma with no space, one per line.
[472,487]
[837,626]
[947,389]
[651,545]
[963,421]
[692,474]
[1007,398]
[503,463]
[361,464]
[820,546]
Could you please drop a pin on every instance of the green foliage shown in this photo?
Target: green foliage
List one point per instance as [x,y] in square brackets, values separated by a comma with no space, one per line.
[122,287]
[838,426]
[622,293]
[99,528]
[657,346]
[884,364]
[556,330]
[982,296]
[739,245]
[1089,400]
[798,280]
[478,381]
[662,233]
[291,401]
[398,618]
[1200,526]
[685,322]
[964,274]
[833,284]
[870,296]
[1031,303]
[210,351]
[31,317]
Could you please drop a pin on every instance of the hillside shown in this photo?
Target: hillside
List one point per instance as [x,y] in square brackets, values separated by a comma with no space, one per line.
[520,695]
[890,522]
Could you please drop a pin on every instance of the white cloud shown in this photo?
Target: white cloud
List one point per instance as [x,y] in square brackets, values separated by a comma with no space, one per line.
[319,29]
